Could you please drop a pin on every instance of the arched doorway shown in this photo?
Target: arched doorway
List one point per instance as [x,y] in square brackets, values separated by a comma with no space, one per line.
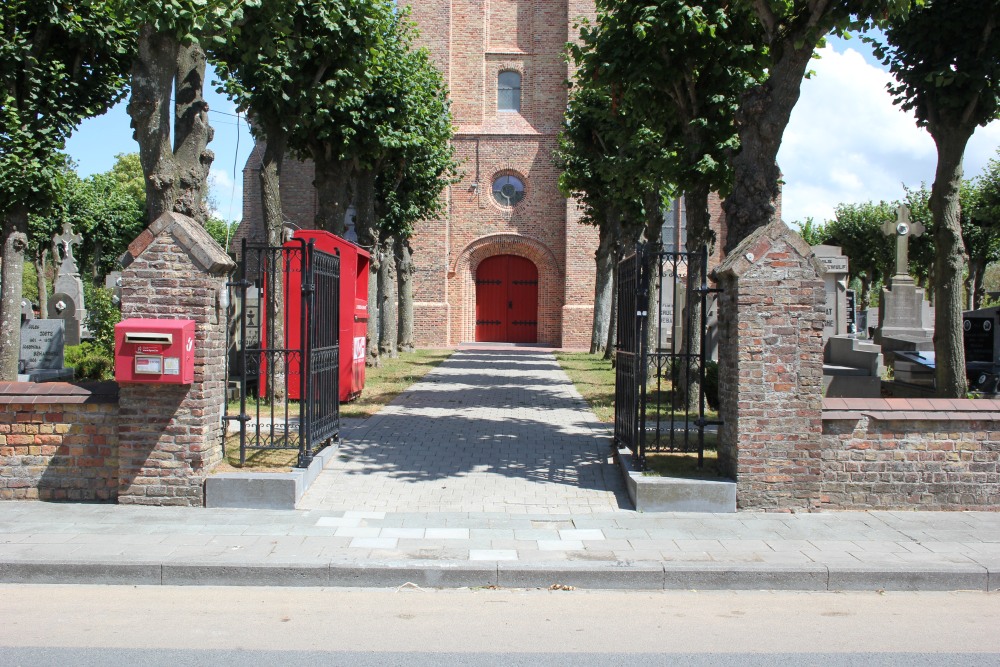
[507,300]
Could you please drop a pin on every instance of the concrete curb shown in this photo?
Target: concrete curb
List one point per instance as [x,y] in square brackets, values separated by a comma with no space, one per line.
[264,490]
[675,494]
[605,575]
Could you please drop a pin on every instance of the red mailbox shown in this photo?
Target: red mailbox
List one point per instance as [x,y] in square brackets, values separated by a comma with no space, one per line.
[154,351]
[354,262]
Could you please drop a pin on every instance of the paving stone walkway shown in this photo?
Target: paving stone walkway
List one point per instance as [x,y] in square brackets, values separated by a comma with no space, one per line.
[489,430]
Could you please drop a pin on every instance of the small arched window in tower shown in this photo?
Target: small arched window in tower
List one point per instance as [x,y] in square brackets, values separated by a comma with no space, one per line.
[508,91]
[508,190]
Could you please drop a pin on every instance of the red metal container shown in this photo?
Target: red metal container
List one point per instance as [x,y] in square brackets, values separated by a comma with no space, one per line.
[354,261]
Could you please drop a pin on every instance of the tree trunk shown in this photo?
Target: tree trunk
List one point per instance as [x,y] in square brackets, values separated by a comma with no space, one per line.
[979,285]
[333,191]
[609,348]
[41,279]
[949,262]
[15,244]
[404,277]
[974,281]
[175,175]
[388,309]
[653,206]
[368,238]
[270,200]
[761,118]
[193,133]
[699,235]
[604,257]
[95,267]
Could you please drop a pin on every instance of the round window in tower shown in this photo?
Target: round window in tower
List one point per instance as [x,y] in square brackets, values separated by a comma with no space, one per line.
[508,190]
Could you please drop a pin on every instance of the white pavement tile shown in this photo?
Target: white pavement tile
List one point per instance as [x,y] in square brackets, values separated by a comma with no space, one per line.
[492,554]
[373,543]
[446,534]
[338,521]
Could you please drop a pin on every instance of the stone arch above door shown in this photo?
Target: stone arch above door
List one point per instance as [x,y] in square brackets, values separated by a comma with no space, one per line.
[462,287]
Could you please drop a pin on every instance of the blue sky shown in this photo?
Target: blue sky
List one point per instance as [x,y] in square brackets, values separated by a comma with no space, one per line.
[846,141]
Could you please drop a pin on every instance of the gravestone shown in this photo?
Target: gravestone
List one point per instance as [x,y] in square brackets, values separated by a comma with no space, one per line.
[62,307]
[41,358]
[27,310]
[852,312]
[852,368]
[68,286]
[982,348]
[904,312]
[835,283]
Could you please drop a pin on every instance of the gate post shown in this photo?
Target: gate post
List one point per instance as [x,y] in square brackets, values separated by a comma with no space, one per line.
[170,434]
[771,315]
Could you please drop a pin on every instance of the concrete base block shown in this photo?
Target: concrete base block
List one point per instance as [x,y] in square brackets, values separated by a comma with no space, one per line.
[77,572]
[595,575]
[264,490]
[744,577]
[913,578]
[439,574]
[675,494]
[245,574]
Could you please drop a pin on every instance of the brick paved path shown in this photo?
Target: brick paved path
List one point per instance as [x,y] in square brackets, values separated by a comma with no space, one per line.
[486,431]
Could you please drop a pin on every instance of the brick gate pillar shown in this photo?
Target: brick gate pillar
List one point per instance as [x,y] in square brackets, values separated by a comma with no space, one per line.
[771,314]
[170,435]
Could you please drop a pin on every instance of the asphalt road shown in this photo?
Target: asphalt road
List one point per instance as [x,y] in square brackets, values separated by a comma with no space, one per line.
[100,625]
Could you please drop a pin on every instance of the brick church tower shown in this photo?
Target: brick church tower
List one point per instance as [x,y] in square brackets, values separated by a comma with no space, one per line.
[509,260]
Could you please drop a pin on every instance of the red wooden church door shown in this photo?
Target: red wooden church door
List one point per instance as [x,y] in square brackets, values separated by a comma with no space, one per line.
[507,300]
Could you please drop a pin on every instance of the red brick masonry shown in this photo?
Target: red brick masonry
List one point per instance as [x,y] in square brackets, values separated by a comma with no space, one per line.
[910,453]
[58,441]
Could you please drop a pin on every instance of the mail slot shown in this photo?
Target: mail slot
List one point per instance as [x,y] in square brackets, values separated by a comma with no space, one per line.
[154,351]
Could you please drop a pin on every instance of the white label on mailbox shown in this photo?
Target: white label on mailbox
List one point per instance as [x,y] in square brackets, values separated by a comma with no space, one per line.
[359,349]
[148,365]
[172,366]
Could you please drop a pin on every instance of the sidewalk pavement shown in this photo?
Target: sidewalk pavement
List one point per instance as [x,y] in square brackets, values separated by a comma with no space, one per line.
[111,544]
[530,500]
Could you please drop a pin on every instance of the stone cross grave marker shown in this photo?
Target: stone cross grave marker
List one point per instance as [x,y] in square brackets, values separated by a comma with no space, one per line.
[903,229]
[68,286]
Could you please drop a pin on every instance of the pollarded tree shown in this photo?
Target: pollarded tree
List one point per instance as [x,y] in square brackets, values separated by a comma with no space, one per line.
[286,65]
[288,62]
[790,31]
[404,116]
[168,82]
[58,65]
[945,57]
[578,157]
[411,183]
[694,60]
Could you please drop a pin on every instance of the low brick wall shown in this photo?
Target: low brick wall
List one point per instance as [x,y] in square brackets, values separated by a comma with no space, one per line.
[59,441]
[925,454]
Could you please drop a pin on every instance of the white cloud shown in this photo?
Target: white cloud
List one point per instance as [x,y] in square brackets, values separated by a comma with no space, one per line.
[847,142]
[221,193]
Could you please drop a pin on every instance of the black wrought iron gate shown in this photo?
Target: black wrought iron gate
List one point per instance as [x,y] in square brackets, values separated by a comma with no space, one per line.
[661,358]
[284,349]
